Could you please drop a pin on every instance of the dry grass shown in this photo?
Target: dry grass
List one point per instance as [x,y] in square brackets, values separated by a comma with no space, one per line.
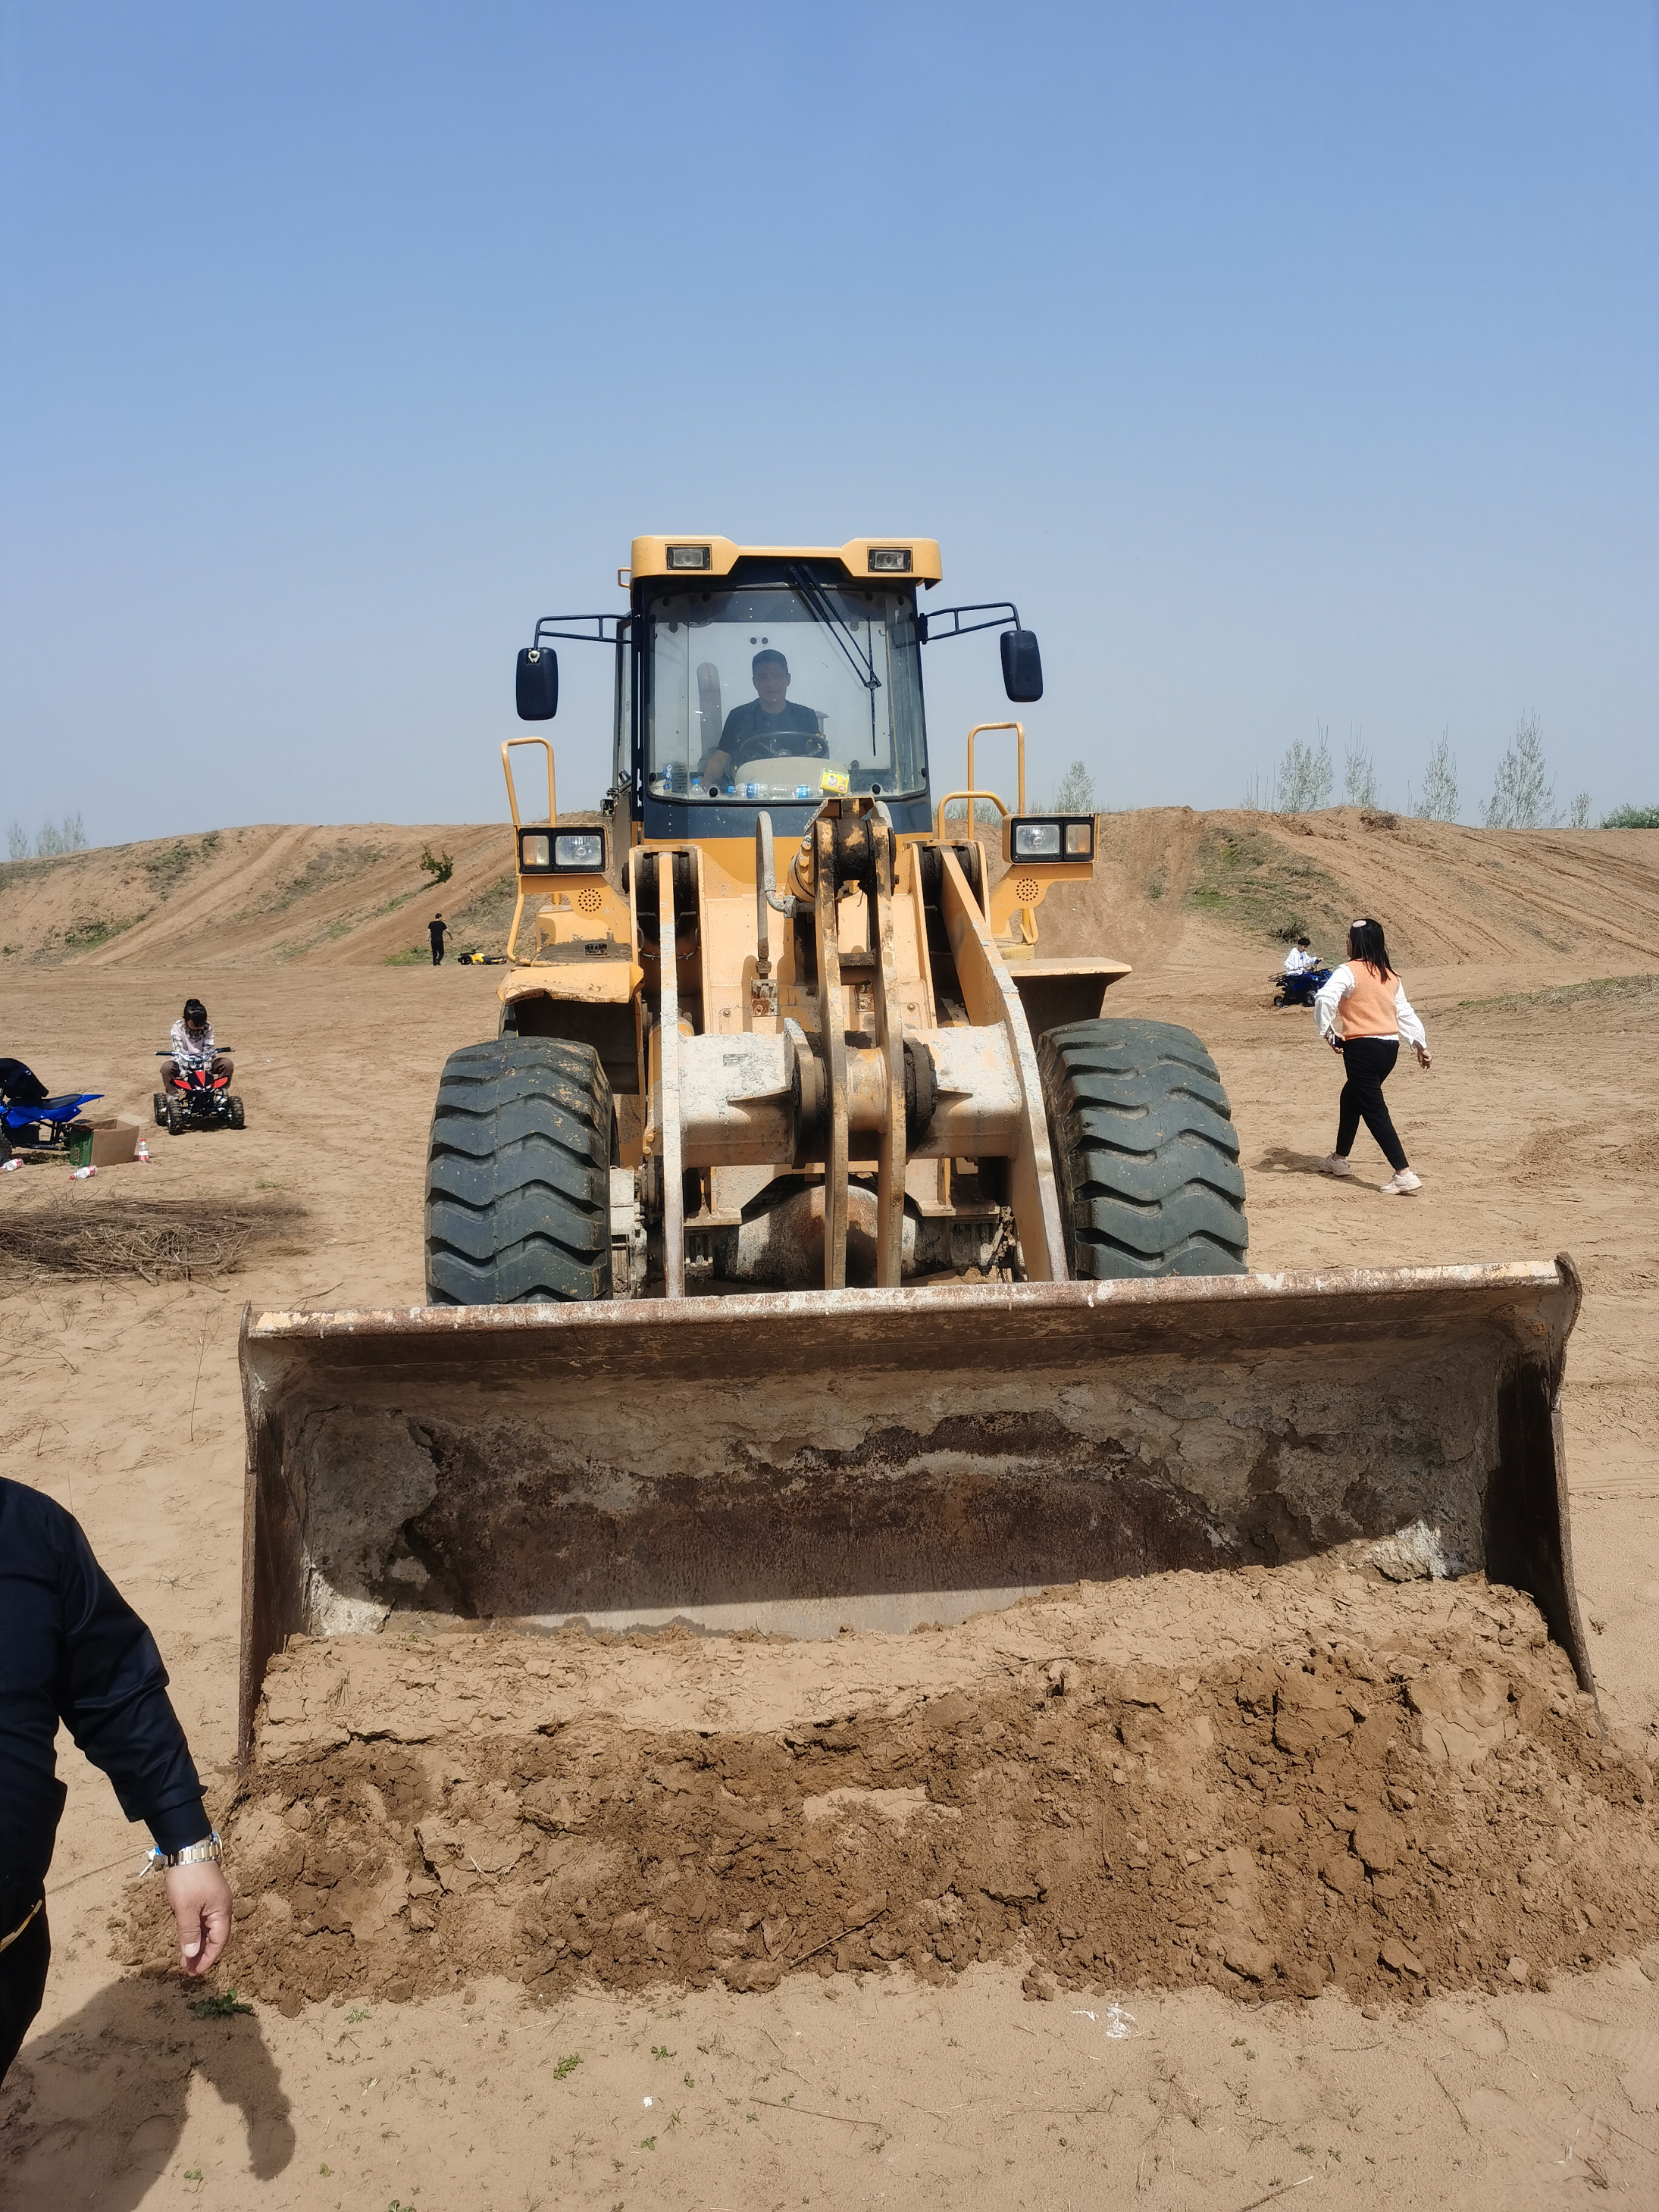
[164,1240]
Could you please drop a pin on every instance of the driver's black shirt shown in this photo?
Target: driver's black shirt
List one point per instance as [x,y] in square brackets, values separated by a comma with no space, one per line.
[751,734]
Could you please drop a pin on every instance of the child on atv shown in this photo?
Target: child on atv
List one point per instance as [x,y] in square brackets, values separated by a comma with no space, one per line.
[192,1040]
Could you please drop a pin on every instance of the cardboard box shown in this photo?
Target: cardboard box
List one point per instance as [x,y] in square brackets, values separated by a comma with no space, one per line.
[112,1141]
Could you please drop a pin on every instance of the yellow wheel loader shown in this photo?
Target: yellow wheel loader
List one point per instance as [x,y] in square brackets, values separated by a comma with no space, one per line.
[807,1250]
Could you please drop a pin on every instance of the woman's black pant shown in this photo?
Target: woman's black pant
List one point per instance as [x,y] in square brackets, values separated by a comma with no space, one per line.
[23,1982]
[1369,1063]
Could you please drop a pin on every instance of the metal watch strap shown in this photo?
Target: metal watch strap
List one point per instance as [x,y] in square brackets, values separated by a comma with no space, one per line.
[211,1847]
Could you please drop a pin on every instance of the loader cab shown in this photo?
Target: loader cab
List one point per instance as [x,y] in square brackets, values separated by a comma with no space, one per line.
[770,679]
[771,686]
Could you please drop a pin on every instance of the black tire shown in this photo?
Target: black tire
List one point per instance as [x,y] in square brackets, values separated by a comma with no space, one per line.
[175,1117]
[518,1178]
[159,1107]
[1146,1156]
[236,1116]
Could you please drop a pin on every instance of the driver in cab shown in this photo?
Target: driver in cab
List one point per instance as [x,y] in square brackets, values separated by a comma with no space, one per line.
[769,726]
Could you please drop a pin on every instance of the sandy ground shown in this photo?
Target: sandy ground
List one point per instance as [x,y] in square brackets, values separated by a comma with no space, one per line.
[1534,1134]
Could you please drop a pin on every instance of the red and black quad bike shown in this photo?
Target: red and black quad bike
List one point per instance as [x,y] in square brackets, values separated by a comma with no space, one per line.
[195,1098]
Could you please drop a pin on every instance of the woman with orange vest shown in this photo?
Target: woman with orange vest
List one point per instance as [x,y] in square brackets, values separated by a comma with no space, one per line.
[1375,1015]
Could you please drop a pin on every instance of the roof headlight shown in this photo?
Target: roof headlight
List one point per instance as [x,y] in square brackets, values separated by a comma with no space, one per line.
[890,560]
[689,556]
[582,851]
[1037,840]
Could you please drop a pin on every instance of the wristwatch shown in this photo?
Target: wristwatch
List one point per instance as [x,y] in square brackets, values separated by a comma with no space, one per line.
[211,1848]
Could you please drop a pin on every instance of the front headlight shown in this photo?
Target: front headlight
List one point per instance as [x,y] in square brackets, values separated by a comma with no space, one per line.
[584,850]
[1061,837]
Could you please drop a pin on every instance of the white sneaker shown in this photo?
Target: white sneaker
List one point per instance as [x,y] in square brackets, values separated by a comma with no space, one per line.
[1402,1185]
[1334,1163]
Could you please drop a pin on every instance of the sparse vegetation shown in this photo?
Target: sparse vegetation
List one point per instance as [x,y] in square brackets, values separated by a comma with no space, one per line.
[1359,774]
[1631,818]
[1253,880]
[1075,792]
[438,866]
[225,2005]
[489,915]
[91,931]
[167,868]
[1304,778]
[53,841]
[1437,801]
[1302,782]
[1522,796]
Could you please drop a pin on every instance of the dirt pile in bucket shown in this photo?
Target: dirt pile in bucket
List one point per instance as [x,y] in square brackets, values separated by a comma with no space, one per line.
[1268,1783]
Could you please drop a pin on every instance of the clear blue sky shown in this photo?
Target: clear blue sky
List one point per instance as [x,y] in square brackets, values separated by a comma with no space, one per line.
[1289,364]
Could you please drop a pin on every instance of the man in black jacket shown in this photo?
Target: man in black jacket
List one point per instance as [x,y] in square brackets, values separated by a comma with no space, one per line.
[72,1649]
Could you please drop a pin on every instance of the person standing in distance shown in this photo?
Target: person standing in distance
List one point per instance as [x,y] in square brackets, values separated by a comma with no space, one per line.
[72,1649]
[437,929]
[1376,1016]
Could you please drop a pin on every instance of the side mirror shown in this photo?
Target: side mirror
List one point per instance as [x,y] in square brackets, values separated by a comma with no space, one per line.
[1022,667]
[538,684]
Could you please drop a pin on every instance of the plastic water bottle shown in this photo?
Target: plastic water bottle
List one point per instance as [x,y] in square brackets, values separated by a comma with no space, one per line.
[79,1174]
[143,1152]
[7,1166]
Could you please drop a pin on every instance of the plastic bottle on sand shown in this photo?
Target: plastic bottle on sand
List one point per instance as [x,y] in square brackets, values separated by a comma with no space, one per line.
[79,1174]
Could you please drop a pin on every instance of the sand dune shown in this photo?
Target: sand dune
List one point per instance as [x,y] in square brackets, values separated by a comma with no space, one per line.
[357,894]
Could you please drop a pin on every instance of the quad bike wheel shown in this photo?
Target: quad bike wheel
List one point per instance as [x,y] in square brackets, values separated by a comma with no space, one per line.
[175,1117]
[1146,1155]
[159,1107]
[235,1107]
[518,1177]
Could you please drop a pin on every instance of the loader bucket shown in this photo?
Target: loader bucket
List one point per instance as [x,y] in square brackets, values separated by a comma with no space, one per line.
[797,1463]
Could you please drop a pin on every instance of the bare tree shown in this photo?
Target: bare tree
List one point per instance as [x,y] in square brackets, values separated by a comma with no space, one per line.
[1076,791]
[1260,798]
[1580,816]
[1437,801]
[55,837]
[17,842]
[1522,796]
[1359,774]
[1304,776]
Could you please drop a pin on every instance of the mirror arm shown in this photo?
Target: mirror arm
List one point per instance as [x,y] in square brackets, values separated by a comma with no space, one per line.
[1002,614]
[548,627]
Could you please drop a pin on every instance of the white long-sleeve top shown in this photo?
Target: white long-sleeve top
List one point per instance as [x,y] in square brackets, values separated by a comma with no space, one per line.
[1298,963]
[1339,987]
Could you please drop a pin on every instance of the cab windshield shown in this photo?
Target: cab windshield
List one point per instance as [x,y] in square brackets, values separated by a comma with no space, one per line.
[780,693]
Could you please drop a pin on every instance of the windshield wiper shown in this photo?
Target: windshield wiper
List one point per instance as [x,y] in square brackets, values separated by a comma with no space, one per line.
[822,608]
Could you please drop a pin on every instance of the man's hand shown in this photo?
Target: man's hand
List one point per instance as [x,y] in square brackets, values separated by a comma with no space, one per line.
[200,1898]
[715,767]
[1423,1060]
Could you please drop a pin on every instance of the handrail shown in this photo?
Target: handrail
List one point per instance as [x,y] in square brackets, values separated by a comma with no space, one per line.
[512,795]
[939,818]
[1018,728]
